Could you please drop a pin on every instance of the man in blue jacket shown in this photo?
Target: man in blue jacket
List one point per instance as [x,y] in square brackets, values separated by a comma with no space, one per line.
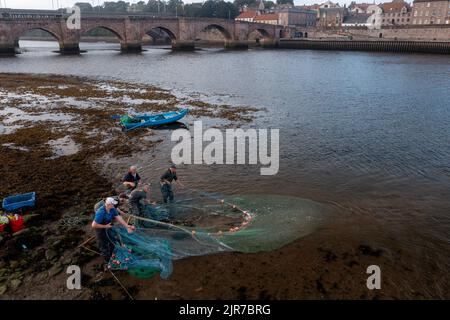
[104,217]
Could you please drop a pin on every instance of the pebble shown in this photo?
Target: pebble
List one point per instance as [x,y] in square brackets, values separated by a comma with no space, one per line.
[3,289]
[56,243]
[53,271]
[50,254]
[15,283]
[42,276]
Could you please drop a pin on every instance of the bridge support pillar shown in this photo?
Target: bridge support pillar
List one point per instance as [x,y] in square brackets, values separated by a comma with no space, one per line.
[268,43]
[7,50]
[69,48]
[131,47]
[236,45]
[183,45]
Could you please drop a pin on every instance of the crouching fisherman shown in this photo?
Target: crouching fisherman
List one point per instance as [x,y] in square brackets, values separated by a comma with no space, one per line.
[139,198]
[103,219]
[131,179]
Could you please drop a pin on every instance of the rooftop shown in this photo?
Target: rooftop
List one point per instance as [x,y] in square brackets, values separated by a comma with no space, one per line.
[247,14]
[394,6]
[357,18]
[270,16]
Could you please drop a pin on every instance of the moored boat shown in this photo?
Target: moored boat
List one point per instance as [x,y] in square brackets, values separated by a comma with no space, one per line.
[149,120]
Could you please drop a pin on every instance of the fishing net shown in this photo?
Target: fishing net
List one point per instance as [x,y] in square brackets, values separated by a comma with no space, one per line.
[127,119]
[199,223]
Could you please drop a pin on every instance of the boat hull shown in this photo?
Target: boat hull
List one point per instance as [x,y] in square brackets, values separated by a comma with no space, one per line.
[154,120]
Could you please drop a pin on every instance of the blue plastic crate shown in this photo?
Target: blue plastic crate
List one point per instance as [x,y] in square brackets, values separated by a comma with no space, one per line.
[19,201]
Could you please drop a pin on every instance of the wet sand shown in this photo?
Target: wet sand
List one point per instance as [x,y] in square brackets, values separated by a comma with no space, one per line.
[328,264]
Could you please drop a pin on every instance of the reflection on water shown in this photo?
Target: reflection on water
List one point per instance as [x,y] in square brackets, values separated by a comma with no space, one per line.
[368,132]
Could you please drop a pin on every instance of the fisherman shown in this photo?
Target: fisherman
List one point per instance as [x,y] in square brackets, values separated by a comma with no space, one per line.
[131,179]
[166,183]
[103,219]
[138,199]
[121,199]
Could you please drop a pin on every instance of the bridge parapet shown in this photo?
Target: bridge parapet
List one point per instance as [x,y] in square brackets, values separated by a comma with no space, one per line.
[129,28]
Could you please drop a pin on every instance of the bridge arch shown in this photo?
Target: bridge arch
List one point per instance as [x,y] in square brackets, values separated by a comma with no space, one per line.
[220,28]
[23,31]
[100,26]
[166,30]
[263,32]
[49,31]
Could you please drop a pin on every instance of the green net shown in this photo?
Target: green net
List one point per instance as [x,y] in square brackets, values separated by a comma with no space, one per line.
[127,119]
[199,223]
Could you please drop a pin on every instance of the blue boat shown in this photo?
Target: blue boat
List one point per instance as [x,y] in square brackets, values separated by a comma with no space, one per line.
[150,120]
[19,201]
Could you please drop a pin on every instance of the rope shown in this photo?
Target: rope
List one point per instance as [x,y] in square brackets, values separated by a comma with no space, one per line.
[120,283]
[191,233]
[86,242]
[207,194]
[117,279]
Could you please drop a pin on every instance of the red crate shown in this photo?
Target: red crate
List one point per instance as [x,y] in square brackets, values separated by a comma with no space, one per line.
[16,225]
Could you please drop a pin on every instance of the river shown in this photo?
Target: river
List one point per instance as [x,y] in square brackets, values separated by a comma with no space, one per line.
[367,133]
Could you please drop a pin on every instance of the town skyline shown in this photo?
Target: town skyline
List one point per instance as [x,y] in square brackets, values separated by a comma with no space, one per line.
[54,4]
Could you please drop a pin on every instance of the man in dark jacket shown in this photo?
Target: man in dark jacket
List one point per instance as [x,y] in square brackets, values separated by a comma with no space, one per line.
[138,199]
[131,179]
[166,183]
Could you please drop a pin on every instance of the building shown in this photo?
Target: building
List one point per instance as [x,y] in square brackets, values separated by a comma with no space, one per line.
[363,14]
[395,13]
[297,17]
[331,17]
[357,20]
[269,18]
[374,9]
[357,8]
[329,4]
[427,12]
[248,15]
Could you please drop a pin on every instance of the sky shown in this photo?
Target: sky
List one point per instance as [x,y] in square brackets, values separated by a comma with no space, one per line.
[53,4]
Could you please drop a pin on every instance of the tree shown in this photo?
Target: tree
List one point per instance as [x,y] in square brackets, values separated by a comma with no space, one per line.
[218,9]
[269,4]
[248,3]
[285,2]
[175,7]
[84,6]
[192,9]
[119,6]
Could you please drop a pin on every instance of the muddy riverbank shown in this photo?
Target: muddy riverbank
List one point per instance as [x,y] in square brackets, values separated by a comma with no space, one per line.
[54,130]
[56,136]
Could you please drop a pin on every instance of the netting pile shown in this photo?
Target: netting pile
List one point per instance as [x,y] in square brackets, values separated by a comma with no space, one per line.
[198,224]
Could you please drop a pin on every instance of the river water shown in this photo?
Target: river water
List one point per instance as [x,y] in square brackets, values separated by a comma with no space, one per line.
[367,133]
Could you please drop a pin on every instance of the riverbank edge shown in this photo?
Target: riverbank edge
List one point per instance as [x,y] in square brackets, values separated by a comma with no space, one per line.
[402,46]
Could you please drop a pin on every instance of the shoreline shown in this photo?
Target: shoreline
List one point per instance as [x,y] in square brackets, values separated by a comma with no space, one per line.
[369,45]
[327,264]
[324,43]
[55,129]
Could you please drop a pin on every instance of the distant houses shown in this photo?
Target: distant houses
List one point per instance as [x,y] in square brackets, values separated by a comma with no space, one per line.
[431,12]
[366,15]
[286,15]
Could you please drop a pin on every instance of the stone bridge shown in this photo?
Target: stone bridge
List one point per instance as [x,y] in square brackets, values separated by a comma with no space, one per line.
[129,29]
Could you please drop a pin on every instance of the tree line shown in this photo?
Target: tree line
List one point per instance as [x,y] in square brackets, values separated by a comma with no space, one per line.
[208,9]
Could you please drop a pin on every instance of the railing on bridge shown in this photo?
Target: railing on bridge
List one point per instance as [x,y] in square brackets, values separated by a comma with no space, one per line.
[25,14]
[13,14]
[20,14]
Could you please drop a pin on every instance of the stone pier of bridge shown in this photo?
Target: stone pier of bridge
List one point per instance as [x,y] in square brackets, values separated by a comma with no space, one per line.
[129,29]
